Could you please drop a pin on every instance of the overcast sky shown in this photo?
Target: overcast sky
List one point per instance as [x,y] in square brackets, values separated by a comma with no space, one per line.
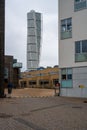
[16,30]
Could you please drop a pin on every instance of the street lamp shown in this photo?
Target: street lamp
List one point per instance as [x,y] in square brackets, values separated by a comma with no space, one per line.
[2,40]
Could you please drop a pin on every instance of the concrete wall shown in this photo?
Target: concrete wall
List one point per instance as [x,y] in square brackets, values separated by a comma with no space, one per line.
[79,88]
[67,48]
[79,76]
[75,92]
[79,32]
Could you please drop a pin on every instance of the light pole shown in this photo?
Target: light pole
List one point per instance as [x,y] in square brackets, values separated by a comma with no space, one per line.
[2,40]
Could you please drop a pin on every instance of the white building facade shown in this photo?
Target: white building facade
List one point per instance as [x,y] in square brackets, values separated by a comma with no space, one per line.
[73,47]
[33,39]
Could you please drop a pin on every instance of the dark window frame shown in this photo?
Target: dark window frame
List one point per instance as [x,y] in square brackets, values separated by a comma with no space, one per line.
[80,5]
[81,44]
[81,51]
[66,28]
[66,75]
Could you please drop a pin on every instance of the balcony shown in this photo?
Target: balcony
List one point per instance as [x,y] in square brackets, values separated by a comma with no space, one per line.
[66,34]
[81,57]
[80,5]
[17,65]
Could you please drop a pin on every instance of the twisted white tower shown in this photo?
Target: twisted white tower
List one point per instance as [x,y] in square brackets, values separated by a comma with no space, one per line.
[33,39]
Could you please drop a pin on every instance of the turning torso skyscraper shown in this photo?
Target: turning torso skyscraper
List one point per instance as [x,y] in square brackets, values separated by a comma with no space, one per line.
[33,39]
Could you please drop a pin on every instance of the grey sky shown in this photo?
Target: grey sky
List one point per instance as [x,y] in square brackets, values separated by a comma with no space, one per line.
[16,29]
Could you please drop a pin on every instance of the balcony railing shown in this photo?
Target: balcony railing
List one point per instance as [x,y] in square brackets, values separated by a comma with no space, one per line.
[17,65]
[66,34]
[81,57]
[80,5]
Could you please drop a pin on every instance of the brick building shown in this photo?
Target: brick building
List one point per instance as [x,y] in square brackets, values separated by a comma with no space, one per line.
[12,71]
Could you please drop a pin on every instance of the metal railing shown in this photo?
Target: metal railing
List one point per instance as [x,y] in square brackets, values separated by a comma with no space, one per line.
[66,34]
[80,57]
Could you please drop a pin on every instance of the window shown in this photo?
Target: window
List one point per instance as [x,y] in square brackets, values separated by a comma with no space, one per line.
[84,46]
[80,4]
[69,73]
[66,25]
[77,47]
[66,78]
[38,24]
[38,16]
[77,0]
[66,28]
[43,82]
[66,74]
[32,82]
[55,81]
[81,51]
[31,23]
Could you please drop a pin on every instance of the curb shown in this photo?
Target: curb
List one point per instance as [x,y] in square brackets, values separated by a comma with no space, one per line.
[31,96]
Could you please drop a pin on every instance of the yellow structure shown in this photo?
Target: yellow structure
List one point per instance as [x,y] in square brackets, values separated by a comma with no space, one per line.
[43,78]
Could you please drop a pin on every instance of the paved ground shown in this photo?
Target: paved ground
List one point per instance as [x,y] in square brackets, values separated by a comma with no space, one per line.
[46,113]
[32,92]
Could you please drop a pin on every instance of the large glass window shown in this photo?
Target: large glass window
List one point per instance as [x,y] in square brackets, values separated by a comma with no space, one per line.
[80,4]
[77,0]
[32,82]
[31,23]
[66,74]
[66,28]
[81,51]
[66,78]
[84,46]
[77,47]
[66,25]
[63,74]
[38,24]
[31,31]
[43,82]
[38,16]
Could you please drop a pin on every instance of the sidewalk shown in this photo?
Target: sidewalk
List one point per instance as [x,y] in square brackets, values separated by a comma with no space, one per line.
[51,113]
[31,92]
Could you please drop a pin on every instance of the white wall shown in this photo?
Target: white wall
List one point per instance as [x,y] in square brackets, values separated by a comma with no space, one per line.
[67,48]
[80,77]
[80,25]
[79,32]
[66,8]
[75,92]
